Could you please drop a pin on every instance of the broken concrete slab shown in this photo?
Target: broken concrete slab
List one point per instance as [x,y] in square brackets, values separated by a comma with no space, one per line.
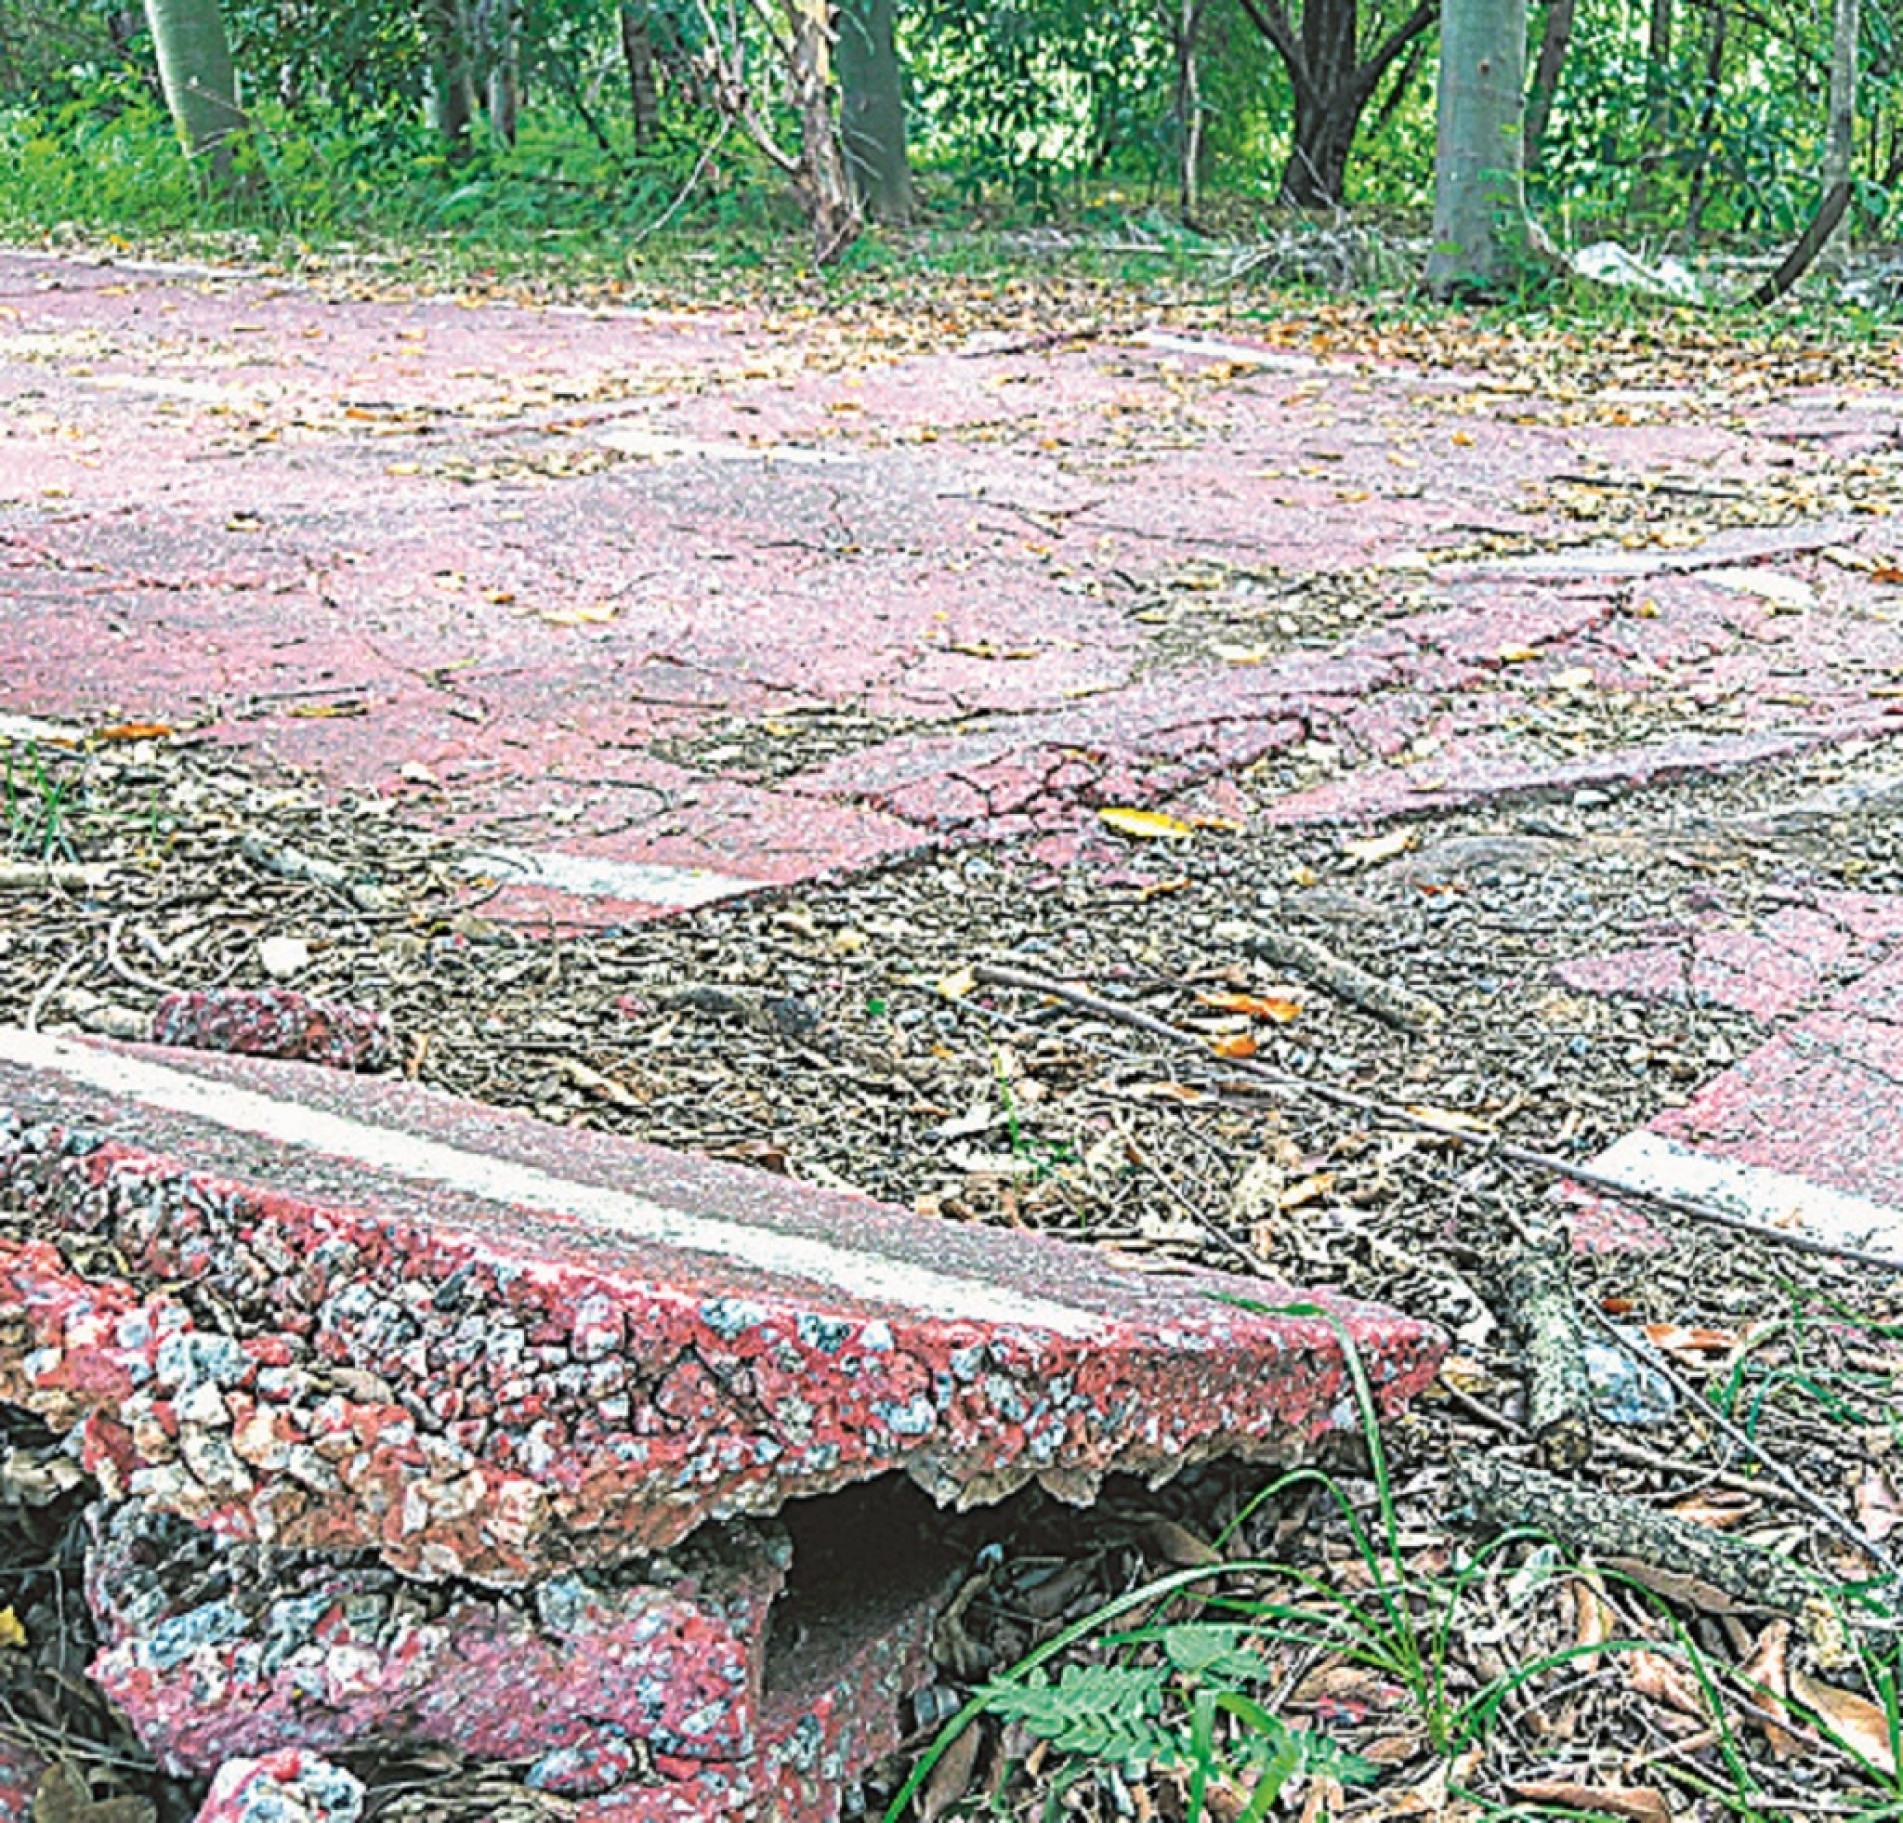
[356,1315]
[286,1786]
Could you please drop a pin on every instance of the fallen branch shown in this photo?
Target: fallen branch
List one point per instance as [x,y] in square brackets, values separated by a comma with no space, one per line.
[1397,1005]
[1539,1294]
[1497,1494]
[67,876]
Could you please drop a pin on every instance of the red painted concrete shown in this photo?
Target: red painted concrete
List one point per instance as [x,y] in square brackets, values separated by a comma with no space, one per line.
[567,1400]
[285,1786]
[275,1022]
[21,1770]
[535,552]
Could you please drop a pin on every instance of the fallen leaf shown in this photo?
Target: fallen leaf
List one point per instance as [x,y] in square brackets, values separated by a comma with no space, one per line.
[1767,1670]
[1689,1342]
[324,712]
[1639,1803]
[1665,1681]
[1307,1191]
[133,731]
[1146,825]
[1573,679]
[956,985]
[952,1774]
[590,614]
[1177,1544]
[1878,1513]
[1517,655]
[1235,1045]
[11,1632]
[1450,1117]
[1257,1006]
[1367,850]
[1856,1721]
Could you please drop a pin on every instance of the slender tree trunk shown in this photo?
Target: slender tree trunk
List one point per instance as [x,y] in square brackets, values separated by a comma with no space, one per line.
[1658,65]
[201,87]
[825,191]
[1707,109]
[637,52]
[1481,232]
[501,37]
[1840,129]
[1185,23]
[872,110]
[452,97]
[1554,39]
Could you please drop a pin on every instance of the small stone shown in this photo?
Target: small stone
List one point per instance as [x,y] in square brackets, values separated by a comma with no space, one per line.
[283,957]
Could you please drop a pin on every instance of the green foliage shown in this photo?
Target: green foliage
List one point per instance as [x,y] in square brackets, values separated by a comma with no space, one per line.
[33,804]
[1188,1705]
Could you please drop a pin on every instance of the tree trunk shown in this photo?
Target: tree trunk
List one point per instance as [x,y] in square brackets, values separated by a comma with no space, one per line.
[637,52]
[452,94]
[201,87]
[872,110]
[1185,18]
[1331,84]
[1481,231]
[1658,64]
[1557,35]
[1316,175]
[1707,112]
[1840,130]
[824,189]
[501,36]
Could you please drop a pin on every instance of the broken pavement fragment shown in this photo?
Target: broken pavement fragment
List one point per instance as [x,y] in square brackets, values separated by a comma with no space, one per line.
[326,1313]
[276,1022]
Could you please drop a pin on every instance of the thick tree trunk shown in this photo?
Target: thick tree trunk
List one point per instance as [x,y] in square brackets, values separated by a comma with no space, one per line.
[872,110]
[1331,84]
[1558,34]
[452,95]
[1480,224]
[201,87]
[824,189]
[637,52]
[1316,175]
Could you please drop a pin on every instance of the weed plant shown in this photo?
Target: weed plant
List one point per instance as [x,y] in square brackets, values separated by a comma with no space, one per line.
[1189,1695]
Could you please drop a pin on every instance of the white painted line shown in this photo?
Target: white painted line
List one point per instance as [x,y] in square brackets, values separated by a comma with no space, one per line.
[596,877]
[862,1274]
[1775,1199]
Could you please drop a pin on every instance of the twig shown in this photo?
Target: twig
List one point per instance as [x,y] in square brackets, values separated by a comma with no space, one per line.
[1539,1293]
[1821,1509]
[48,988]
[687,189]
[68,876]
[1488,1144]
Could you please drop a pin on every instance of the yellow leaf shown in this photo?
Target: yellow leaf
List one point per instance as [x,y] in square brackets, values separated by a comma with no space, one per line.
[1517,655]
[593,613]
[1145,825]
[1307,1191]
[11,1632]
[1233,1044]
[1256,1006]
[1370,849]
[956,985]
